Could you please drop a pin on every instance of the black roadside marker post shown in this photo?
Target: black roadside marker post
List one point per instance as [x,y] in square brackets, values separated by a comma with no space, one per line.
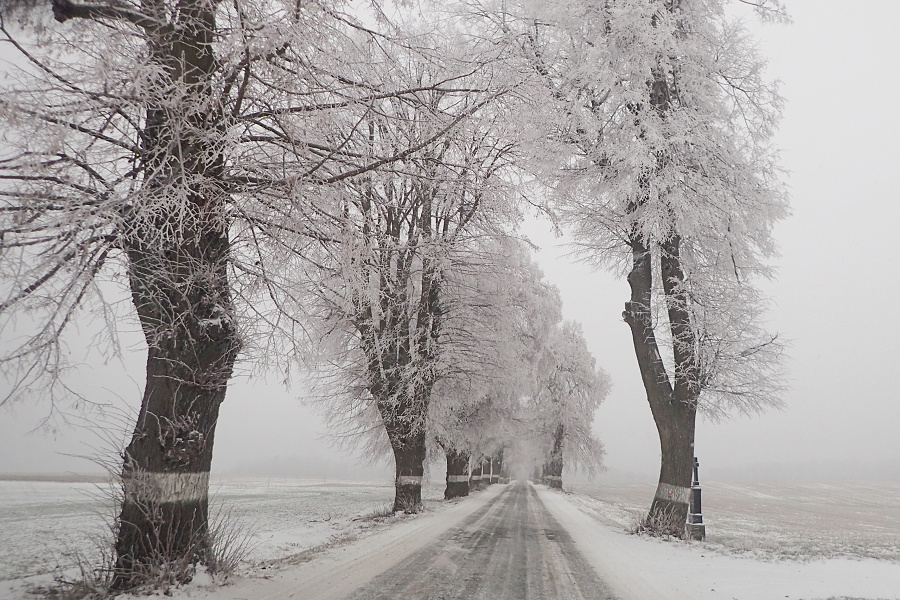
[695,528]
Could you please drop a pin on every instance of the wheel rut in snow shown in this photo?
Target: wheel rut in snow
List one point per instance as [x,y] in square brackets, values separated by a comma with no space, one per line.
[510,549]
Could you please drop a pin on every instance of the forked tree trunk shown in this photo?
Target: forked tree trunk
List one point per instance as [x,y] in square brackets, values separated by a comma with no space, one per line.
[674,408]
[457,474]
[554,467]
[405,425]
[673,401]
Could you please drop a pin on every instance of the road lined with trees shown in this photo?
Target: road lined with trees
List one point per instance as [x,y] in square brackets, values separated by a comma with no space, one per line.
[335,192]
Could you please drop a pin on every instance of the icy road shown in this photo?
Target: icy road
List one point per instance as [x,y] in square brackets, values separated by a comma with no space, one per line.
[510,549]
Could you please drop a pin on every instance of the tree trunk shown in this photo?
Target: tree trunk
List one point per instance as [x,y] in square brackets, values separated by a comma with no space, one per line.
[167,464]
[177,244]
[554,467]
[675,425]
[409,457]
[476,472]
[457,474]
[181,293]
[673,408]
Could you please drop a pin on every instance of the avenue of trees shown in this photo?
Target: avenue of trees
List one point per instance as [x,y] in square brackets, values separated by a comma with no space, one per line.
[662,120]
[303,184]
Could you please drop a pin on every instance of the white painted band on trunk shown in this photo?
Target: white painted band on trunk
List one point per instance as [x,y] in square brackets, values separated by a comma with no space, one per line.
[457,478]
[158,488]
[673,493]
[409,480]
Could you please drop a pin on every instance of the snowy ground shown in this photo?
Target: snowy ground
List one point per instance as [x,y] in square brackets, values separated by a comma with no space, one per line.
[47,527]
[729,566]
[777,520]
[765,541]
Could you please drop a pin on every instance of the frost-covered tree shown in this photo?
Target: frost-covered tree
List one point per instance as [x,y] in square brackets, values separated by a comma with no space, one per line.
[663,118]
[381,278]
[562,409]
[500,322]
[148,143]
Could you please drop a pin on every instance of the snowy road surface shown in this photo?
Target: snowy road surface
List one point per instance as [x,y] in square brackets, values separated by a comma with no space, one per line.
[510,549]
[501,544]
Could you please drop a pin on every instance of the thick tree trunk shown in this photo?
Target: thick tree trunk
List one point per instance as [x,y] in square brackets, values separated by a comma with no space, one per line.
[409,457]
[403,419]
[177,244]
[673,408]
[404,422]
[554,467]
[675,425]
[457,474]
[167,463]
[182,298]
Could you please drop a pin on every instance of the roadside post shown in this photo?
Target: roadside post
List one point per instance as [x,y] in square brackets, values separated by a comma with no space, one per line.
[696,530]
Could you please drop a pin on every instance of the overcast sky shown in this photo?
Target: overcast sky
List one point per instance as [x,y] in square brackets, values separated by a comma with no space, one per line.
[835,297]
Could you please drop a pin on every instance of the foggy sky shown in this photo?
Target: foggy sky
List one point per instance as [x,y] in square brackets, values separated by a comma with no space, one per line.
[835,296]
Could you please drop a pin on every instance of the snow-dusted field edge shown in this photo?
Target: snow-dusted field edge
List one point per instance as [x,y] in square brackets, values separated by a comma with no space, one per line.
[641,568]
[765,541]
[47,527]
[775,521]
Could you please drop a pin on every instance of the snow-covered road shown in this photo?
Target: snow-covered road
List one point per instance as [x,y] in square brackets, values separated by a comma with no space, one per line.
[510,549]
[501,544]
[517,542]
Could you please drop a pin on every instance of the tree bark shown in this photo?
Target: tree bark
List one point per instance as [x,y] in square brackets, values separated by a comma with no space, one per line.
[477,472]
[181,293]
[164,517]
[673,408]
[457,474]
[409,455]
[554,467]
[404,423]
[177,245]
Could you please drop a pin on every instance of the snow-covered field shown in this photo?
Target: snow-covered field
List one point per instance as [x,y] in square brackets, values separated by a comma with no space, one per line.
[807,541]
[774,521]
[46,527]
